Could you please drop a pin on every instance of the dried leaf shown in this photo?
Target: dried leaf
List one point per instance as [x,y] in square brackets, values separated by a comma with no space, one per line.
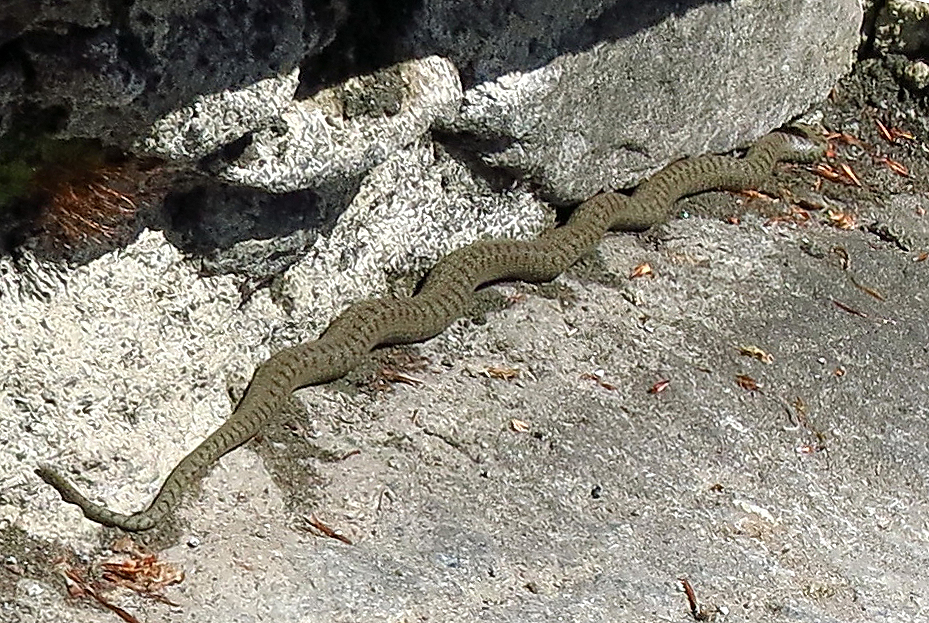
[826,171]
[327,531]
[501,372]
[869,291]
[850,310]
[751,193]
[757,353]
[842,220]
[642,270]
[897,167]
[844,175]
[137,569]
[394,376]
[892,134]
[746,382]
[140,571]
[796,216]
[520,426]
[659,387]
[598,378]
[846,138]
[847,170]
[885,133]
[698,612]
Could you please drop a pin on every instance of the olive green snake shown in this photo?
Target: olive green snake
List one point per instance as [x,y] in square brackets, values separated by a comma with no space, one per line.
[444,296]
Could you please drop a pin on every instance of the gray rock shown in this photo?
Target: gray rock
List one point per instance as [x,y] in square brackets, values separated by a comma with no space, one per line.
[21,16]
[898,31]
[899,221]
[547,124]
[603,495]
[12,83]
[603,117]
[154,57]
[901,28]
[336,136]
[916,76]
[412,209]
[216,119]
[88,76]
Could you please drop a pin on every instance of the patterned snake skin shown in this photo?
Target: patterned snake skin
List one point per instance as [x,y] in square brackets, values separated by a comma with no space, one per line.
[444,296]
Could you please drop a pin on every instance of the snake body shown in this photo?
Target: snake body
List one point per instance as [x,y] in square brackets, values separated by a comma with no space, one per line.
[444,296]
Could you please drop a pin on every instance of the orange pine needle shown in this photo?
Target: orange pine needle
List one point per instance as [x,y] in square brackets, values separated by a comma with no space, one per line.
[885,133]
[850,174]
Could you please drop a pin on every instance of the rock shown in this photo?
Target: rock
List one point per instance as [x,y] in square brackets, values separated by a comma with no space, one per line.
[340,133]
[152,57]
[901,28]
[773,503]
[603,114]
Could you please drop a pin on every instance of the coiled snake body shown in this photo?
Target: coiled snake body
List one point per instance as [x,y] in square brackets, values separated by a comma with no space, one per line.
[444,296]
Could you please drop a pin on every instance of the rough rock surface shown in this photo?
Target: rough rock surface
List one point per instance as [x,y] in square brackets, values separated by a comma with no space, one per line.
[539,107]
[901,30]
[344,131]
[774,503]
[546,125]
[756,66]
[153,57]
[567,492]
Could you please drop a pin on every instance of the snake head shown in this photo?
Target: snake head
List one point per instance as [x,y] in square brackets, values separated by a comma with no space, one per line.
[806,143]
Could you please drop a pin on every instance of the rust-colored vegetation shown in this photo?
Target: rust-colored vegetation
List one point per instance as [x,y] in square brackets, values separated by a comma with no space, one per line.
[93,199]
[71,196]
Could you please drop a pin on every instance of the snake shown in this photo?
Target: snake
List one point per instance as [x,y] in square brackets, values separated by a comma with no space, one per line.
[445,295]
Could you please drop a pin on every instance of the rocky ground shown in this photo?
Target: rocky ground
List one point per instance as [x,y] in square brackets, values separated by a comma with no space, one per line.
[751,418]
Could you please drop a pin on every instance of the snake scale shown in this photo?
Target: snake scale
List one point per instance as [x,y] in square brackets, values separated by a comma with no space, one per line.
[444,296]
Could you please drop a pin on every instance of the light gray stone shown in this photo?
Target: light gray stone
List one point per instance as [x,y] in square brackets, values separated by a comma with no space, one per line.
[216,119]
[116,368]
[709,79]
[318,141]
